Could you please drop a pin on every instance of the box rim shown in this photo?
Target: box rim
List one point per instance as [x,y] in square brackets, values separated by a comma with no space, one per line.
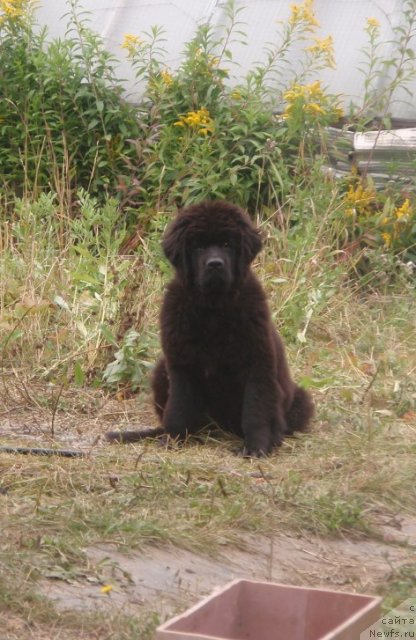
[372,603]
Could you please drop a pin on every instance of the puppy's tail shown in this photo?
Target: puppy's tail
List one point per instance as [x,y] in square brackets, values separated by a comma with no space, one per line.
[301,411]
[125,437]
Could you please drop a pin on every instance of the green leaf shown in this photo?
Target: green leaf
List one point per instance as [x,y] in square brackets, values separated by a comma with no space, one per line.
[79,376]
[108,335]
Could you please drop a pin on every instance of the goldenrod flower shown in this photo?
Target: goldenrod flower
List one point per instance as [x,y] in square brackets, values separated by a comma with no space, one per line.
[131,43]
[213,61]
[315,90]
[200,120]
[166,77]
[360,196]
[13,8]
[312,99]
[302,14]
[338,112]
[387,237]
[307,91]
[323,47]
[404,210]
[235,95]
[373,23]
[314,109]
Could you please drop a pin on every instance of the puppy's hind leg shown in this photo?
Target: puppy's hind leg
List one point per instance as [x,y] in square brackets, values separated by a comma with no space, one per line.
[300,412]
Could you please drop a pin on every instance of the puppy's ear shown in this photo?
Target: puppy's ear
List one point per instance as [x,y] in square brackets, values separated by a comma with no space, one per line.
[173,241]
[251,243]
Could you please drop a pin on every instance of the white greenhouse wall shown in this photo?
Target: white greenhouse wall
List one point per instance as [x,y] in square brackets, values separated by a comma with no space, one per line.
[343,19]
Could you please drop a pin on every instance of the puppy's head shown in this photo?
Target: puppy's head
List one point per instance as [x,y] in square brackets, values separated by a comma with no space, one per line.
[213,263]
[211,245]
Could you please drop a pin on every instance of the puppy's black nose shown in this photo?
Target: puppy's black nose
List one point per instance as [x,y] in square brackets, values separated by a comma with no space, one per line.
[215,263]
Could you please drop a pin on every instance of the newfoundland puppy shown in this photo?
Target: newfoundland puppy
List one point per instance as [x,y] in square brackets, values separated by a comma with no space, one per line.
[223,361]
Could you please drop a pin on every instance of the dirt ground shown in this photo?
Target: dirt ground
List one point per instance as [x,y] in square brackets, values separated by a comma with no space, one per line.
[172,577]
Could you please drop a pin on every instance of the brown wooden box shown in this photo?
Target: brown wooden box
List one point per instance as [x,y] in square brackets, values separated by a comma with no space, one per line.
[247,610]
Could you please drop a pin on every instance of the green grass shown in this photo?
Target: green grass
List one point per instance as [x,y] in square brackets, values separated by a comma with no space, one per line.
[400,586]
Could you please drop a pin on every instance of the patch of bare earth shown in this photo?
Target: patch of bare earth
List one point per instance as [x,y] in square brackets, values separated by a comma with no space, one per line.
[35,426]
[167,579]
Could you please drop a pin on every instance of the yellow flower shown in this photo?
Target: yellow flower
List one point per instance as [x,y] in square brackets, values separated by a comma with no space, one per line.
[200,120]
[387,237]
[311,98]
[315,89]
[404,210]
[13,8]
[293,94]
[235,95]
[166,77]
[131,43]
[213,61]
[303,15]
[308,91]
[106,588]
[323,47]
[373,23]
[338,112]
[314,109]
[360,198]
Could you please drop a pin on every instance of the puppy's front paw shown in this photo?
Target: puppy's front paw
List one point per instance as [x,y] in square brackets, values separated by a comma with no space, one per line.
[253,452]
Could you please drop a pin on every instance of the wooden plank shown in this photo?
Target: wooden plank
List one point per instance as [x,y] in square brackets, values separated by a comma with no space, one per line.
[393,140]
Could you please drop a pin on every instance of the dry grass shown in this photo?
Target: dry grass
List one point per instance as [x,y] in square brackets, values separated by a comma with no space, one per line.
[348,477]
[351,474]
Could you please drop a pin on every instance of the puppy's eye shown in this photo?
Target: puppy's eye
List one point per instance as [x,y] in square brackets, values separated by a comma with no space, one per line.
[225,244]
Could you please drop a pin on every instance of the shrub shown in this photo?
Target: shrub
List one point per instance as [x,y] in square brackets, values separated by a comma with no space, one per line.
[207,138]
[63,120]
[385,219]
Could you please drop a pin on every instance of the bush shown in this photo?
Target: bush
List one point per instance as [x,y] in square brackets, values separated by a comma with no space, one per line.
[195,134]
[385,219]
[207,138]
[63,121]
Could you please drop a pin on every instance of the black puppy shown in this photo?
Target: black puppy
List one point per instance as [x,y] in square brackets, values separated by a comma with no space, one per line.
[223,363]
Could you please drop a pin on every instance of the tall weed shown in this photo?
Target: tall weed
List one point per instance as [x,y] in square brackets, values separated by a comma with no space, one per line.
[67,300]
